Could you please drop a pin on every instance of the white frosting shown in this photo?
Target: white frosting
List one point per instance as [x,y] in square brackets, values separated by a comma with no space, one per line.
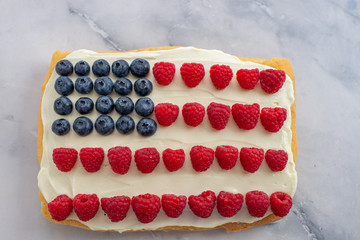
[105,183]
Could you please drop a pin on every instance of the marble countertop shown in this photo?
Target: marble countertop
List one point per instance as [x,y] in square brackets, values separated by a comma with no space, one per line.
[321,39]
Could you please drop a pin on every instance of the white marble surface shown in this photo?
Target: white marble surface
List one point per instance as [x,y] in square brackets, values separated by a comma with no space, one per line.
[321,38]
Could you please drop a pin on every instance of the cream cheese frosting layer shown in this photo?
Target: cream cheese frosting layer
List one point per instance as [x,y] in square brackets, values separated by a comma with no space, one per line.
[186,181]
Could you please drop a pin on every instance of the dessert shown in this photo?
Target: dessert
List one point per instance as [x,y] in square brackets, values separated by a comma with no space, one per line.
[172,138]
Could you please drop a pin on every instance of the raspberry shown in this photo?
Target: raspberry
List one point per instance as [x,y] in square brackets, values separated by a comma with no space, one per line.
[273,118]
[193,113]
[166,113]
[164,72]
[86,206]
[246,116]
[257,203]
[146,207]
[251,158]
[201,158]
[192,73]
[280,203]
[146,159]
[116,208]
[226,156]
[228,204]
[271,80]
[218,115]
[119,159]
[60,208]
[64,158]
[276,159]
[92,158]
[173,205]
[173,159]
[203,204]
[248,78]
[221,76]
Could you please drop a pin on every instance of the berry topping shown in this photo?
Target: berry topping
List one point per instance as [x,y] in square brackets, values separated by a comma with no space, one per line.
[116,208]
[147,159]
[246,116]
[257,203]
[192,74]
[125,124]
[276,159]
[146,207]
[280,203]
[103,85]
[83,126]
[101,68]
[104,104]
[84,85]
[228,204]
[119,159]
[86,206]
[146,127]
[272,80]
[92,158]
[218,115]
[139,67]
[143,87]
[164,72]
[63,106]
[124,105]
[123,86]
[84,105]
[203,204]
[173,205]
[226,156]
[173,159]
[220,75]
[273,119]
[251,158]
[64,67]
[120,68]
[144,106]
[104,125]
[60,127]
[64,86]
[64,158]
[201,158]
[248,78]
[60,208]
[166,113]
[193,113]
[82,68]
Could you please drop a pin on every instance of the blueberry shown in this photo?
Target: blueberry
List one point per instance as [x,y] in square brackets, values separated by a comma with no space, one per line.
[143,87]
[123,86]
[139,67]
[104,125]
[64,86]
[104,104]
[82,68]
[144,106]
[60,127]
[83,85]
[103,85]
[146,127]
[125,124]
[120,68]
[84,105]
[101,68]
[124,105]
[83,126]
[63,106]
[64,67]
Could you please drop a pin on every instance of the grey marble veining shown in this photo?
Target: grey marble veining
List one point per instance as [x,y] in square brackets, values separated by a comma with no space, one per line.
[321,38]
